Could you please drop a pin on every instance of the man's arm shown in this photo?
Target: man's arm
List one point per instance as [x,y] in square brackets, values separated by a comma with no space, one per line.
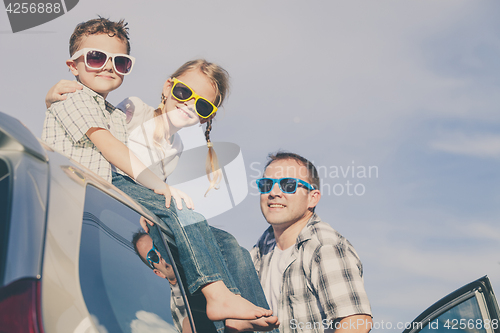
[354,324]
[337,277]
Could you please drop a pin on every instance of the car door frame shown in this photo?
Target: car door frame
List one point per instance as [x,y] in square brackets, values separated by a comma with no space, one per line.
[481,289]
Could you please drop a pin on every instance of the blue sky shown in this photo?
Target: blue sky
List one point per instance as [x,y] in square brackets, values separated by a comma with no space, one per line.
[410,88]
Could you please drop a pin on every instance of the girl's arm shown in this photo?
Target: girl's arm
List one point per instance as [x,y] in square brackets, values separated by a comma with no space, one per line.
[118,154]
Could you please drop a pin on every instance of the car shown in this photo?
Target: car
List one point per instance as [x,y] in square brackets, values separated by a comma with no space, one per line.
[472,308]
[67,263]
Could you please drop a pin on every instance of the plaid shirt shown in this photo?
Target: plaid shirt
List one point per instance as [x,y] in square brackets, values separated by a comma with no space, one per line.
[177,306]
[67,122]
[323,281]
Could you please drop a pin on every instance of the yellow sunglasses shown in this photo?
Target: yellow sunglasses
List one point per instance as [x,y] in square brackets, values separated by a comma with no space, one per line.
[182,92]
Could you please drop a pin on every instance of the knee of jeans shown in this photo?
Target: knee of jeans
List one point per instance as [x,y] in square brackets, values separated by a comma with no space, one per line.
[225,238]
[184,207]
[245,256]
[245,252]
[186,214]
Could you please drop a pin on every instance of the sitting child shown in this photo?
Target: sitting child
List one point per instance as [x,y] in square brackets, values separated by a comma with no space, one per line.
[94,133]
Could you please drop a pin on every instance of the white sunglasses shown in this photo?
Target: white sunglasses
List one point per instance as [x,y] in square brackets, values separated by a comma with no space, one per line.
[97,59]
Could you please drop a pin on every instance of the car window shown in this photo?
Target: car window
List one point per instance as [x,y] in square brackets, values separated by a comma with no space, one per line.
[465,317]
[121,292]
[4,213]
[456,319]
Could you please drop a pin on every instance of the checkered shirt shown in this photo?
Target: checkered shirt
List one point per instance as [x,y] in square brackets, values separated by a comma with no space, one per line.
[67,122]
[323,281]
[177,306]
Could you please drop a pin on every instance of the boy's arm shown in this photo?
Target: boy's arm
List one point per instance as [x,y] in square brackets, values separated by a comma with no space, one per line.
[113,150]
[118,154]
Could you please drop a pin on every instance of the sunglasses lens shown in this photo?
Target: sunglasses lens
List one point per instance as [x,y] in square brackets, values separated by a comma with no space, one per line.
[96,59]
[123,64]
[153,256]
[265,185]
[288,185]
[181,92]
[204,108]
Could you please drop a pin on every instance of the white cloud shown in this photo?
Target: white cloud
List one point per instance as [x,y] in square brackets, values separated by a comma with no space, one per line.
[480,230]
[151,323]
[335,82]
[476,145]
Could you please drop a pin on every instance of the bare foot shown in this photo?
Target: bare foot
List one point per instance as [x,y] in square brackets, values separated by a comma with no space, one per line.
[223,304]
[262,324]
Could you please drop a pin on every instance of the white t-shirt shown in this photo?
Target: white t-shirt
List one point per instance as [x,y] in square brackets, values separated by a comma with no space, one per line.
[274,281]
[160,159]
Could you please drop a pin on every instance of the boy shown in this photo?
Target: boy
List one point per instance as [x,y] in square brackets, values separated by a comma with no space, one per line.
[85,126]
[91,131]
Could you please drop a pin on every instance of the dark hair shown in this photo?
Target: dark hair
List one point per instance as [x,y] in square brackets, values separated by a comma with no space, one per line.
[311,169]
[135,238]
[99,26]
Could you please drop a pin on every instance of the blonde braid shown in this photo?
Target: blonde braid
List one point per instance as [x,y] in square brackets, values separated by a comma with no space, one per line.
[214,174]
[159,132]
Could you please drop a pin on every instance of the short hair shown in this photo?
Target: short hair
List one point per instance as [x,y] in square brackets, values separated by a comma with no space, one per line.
[135,238]
[99,26]
[311,169]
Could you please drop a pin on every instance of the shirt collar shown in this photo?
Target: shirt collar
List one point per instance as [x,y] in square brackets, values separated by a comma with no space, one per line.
[268,241]
[307,232]
[98,98]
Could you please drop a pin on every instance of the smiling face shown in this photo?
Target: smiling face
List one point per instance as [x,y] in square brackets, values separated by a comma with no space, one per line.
[183,114]
[283,210]
[104,80]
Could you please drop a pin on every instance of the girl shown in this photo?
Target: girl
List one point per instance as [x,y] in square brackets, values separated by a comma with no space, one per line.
[191,95]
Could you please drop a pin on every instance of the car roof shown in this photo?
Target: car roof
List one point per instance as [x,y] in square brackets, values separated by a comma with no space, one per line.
[15,136]
[24,155]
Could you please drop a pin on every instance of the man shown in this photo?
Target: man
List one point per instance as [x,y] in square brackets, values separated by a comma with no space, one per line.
[143,245]
[311,275]
[151,256]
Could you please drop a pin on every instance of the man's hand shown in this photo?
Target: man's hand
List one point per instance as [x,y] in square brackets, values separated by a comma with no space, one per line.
[62,87]
[144,223]
[353,324]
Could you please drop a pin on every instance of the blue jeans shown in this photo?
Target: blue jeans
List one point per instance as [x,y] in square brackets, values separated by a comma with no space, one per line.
[206,254]
[241,268]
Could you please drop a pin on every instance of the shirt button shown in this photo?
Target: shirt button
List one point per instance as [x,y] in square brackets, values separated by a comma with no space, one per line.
[109,126]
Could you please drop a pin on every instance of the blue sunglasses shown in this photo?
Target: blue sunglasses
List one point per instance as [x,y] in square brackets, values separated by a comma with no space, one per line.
[287,185]
[153,257]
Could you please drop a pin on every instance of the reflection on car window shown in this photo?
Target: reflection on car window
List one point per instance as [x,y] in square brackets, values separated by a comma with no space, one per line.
[463,318]
[122,293]
[4,213]
[4,192]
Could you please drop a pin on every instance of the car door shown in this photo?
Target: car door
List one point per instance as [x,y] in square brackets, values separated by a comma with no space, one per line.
[470,309]
[121,291]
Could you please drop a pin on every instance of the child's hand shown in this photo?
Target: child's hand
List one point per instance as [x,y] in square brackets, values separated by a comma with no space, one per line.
[166,192]
[179,196]
[62,87]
